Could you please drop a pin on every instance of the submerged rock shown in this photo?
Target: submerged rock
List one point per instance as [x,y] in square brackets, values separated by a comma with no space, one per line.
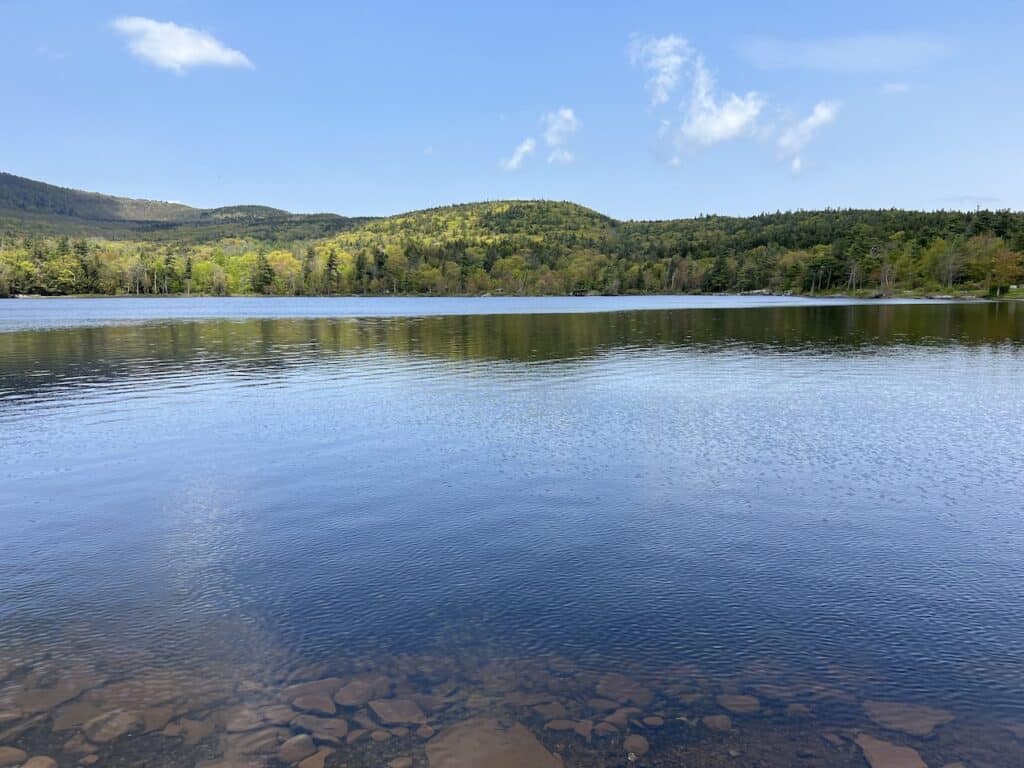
[277,714]
[560,725]
[358,692]
[40,762]
[738,704]
[261,742]
[605,729]
[73,715]
[401,762]
[156,718]
[912,719]
[112,725]
[653,721]
[398,712]
[882,754]
[241,720]
[488,742]
[620,717]
[354,694]
[636,744]
[41,699]
[717,722]
[624,689]
[551,711]
[316,703]
[11,756]
[194,731]
[602,705]
[317,759]
[330,729]
[428,702]
[78,745]
[296,748]
[325,687]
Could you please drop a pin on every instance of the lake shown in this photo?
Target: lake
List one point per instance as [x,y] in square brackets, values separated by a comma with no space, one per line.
[744,531]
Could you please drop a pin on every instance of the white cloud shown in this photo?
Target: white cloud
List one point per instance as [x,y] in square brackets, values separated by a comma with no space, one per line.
[560,156]
[524,150]
[664,58]
[169,46]
[860,53]
[792,141]
[559,126]
[894,89]
[709,121]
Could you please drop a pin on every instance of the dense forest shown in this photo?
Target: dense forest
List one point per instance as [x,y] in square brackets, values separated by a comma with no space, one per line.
[55,241]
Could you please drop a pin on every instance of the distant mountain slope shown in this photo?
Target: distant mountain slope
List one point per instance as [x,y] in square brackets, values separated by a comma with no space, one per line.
[503,246]
[28,206]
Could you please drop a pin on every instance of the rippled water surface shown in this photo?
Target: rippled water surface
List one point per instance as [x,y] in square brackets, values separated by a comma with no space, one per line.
[507,512]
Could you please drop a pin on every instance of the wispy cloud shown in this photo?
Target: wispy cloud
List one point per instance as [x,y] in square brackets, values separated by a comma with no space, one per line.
[707,118]
[170,46]
[559,126]
[664,57]
[895,89]
[522,151]
[792,141]
[860,53]
[710,120]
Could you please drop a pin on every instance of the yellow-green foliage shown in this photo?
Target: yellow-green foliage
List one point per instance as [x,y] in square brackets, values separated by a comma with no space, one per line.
[539,247]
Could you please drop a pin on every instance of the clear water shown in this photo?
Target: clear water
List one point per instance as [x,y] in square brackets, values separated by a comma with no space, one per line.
[814,503]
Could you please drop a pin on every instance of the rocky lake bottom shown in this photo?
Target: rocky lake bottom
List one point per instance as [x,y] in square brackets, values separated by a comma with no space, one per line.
[455,713]
[728,532]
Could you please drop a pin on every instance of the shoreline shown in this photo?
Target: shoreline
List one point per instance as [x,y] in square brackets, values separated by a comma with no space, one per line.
[903,296]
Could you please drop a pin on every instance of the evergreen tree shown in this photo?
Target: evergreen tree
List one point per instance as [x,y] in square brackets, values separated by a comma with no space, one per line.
[263,275]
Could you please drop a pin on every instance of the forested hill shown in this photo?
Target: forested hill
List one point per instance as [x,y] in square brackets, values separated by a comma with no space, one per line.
[57,241]
[33,207]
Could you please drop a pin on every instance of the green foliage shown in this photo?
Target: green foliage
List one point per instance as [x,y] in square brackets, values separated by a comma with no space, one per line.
[29,206]
[512,247]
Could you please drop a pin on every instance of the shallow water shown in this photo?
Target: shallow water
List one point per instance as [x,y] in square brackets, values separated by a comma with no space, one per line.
[500,502]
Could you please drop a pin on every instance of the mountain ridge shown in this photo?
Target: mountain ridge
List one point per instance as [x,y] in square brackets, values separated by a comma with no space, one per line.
[37,207]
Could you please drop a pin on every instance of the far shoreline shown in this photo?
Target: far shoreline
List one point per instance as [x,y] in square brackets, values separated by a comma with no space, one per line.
[866,296]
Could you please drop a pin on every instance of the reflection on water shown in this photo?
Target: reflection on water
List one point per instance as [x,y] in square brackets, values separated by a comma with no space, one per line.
[741,536]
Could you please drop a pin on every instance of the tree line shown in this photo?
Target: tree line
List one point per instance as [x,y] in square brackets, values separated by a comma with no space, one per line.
[549,248]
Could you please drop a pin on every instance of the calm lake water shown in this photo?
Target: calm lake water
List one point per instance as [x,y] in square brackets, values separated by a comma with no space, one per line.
[805,515]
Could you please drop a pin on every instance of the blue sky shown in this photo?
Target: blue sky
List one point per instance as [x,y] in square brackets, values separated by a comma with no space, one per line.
[640,110]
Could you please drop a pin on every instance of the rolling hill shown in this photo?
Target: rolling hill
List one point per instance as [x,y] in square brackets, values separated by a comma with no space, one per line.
[506,246]
[34,207]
